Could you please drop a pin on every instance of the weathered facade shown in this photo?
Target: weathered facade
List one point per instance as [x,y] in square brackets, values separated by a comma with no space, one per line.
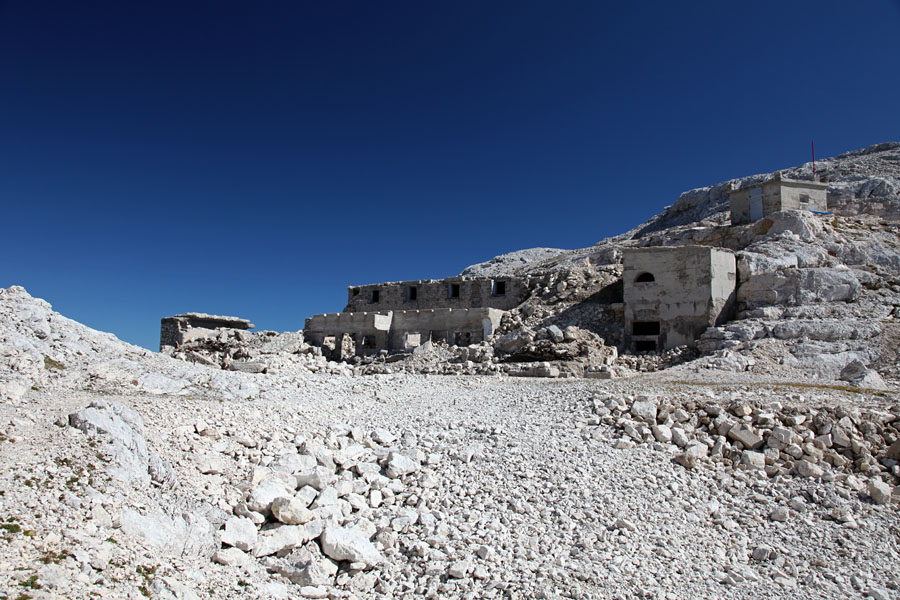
[178,329]
[501,293]
[401,330]
[672,294]
[753,202]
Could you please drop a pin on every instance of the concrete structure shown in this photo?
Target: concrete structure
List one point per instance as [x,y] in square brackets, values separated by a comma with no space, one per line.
[179,329]
[673,294]
[397,331]
[753,202]
[502,293]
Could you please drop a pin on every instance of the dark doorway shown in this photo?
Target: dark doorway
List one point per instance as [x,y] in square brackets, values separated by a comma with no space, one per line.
[645,346]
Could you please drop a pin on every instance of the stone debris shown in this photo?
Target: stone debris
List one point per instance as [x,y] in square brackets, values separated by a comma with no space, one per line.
[825,441]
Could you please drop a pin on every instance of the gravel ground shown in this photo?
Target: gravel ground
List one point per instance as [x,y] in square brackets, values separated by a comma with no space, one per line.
[525,487]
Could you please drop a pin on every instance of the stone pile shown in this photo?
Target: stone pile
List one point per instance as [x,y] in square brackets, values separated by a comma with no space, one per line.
[827,443]
[328,516]
[266,352]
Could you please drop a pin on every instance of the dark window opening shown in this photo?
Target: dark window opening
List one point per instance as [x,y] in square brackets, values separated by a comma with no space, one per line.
[355,291]
[368,342]
[645,328]
[804,198]
[499,288]
[462,338]
[644,278]
[453,290]
[376,296]
[411,293]
[645,346]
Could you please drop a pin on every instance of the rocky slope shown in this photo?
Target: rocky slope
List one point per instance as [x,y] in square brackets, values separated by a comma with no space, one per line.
[816,291]
[129,474]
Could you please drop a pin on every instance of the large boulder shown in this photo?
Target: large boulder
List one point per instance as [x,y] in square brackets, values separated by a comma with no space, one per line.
[123,428]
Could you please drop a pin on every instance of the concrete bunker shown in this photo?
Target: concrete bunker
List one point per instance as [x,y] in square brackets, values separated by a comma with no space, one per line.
[753,202]
[672,294]
[178,329]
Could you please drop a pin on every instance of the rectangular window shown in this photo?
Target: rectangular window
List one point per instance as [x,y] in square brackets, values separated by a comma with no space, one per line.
[411,293]
[453,290]
[804,198]
[645,328]
[376,296]
[368,342]
[498,288]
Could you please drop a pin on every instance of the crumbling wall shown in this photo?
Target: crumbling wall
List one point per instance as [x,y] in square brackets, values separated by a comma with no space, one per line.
[400,330]
[178,329]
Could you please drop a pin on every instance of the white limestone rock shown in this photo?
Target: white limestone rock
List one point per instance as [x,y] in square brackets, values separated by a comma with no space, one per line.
[281,537]
[291,510]
[275,485]
[239,532]
[339,543]
[399,465]
[318,477]
[644,409]
[879,491]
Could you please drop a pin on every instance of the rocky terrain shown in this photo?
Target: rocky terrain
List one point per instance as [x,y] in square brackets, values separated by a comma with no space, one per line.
[762,464]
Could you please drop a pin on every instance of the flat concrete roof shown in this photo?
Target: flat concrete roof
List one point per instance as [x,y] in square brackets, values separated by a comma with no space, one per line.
[226,321]
[796,182]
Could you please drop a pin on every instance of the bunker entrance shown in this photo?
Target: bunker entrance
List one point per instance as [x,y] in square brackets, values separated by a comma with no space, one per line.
[645,346]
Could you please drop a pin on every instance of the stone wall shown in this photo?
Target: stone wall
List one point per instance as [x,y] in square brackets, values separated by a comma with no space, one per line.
[672,294]
[502,293]
[396,331]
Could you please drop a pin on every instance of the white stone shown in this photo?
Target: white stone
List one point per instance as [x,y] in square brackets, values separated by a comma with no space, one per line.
[318,477]
[662,433]
[754,460]
[460,569]
[339,543]
[232,557]
[282,537]
[275,485]
[291,511]
[399,465]
[644,409]
[807,469]
[239,532]
[879,491]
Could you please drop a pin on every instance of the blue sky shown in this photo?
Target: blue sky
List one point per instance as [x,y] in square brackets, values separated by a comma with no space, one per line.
[254,159]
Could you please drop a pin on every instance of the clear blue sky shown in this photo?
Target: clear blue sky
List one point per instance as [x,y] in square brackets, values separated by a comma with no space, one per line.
[255,158]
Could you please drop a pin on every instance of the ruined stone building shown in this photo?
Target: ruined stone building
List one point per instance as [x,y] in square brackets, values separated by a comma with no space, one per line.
[425,294]
[179,329]
[753,202]
[399,330]
[402,315]
[672,294]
